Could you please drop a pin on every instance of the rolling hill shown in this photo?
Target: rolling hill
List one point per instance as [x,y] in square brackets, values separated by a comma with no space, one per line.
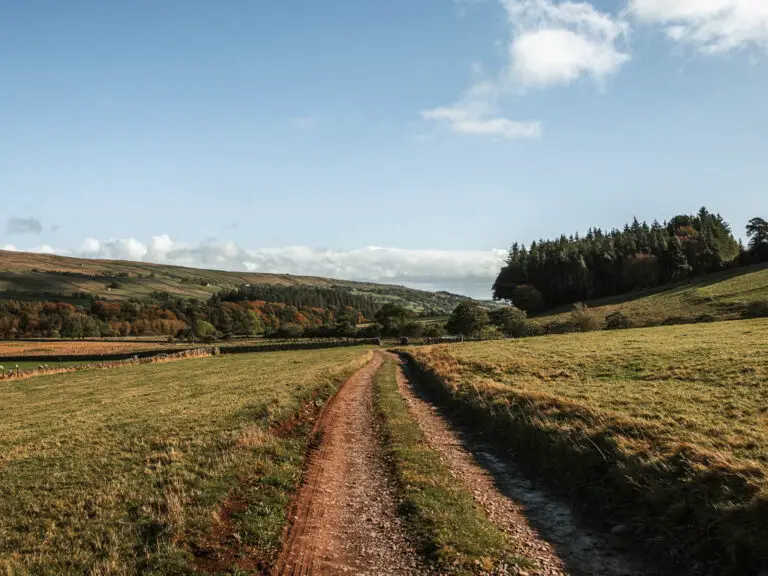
[720,296]
[27,276]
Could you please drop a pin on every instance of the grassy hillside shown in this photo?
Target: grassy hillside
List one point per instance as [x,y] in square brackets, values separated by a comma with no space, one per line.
[157,468]
[661,431]
[720,296]
[43,276]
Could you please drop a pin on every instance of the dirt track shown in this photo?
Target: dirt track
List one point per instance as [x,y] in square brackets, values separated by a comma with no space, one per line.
[344,520]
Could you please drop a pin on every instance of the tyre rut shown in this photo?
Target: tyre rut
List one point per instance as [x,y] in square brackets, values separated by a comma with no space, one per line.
[344,520]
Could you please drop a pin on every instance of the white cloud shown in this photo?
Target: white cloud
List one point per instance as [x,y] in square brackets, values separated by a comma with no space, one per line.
[9,247]
[464,121]
[90,246]
[551,44]
[469,272]
[44,249]
[559,43]
[557,56]
[464,272]
[123,249]
[159,248]
[711,26]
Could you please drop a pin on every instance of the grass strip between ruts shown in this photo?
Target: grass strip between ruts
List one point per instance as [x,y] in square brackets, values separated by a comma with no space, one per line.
[449,528]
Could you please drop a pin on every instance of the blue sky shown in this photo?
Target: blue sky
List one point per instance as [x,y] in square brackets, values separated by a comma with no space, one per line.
[398,141]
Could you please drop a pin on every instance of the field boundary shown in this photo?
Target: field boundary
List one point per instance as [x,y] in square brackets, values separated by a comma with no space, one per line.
[224,349]
[699,511]
[43,371]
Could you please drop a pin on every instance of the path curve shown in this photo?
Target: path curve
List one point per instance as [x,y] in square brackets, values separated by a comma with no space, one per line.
[344,520]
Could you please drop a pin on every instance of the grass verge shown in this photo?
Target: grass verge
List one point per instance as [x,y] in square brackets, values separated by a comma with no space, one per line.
[449,528]
[661,431]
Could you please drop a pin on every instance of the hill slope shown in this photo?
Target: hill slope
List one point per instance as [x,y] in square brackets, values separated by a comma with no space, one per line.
[720,296]
[27,276]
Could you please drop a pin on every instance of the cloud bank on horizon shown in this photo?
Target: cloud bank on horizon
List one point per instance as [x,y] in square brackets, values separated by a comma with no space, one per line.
[463,272]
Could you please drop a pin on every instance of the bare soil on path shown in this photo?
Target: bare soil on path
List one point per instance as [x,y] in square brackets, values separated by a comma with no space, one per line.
[344,520]
[540,528]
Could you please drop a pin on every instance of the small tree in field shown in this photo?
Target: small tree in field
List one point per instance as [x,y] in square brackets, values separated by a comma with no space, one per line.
[618,321]
[757,232]
[391,317]
[510,320]
[468,319]
[434,330]
[203,329]
[413,330]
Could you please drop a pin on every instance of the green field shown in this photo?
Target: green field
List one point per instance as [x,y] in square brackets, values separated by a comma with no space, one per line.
[159,468]
[720,296]
[664,429]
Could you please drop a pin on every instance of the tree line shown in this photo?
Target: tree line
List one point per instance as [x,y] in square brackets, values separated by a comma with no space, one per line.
[301,297]
[572,269]
[173,317]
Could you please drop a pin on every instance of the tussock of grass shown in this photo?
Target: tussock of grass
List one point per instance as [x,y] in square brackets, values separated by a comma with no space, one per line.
[135,471]
[661,429]
[449,528]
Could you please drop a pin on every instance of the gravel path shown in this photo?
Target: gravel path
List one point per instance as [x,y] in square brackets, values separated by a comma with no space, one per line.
[540,528]
[344,520]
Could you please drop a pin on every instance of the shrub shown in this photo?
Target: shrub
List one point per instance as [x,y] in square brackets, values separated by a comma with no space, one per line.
[558,327]
[701,318]
[201,328]
[534,329]
[434,330]
[371,331]
[413,330]
[491,333]
[618,321]
[290,330]
[756,309]
[674,320]
[510,320]
[582,318]
[468,319]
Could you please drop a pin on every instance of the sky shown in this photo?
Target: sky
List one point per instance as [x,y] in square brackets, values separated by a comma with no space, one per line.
[399,141]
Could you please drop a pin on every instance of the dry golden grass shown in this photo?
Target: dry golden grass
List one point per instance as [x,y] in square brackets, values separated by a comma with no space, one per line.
[124,471]
[666,428]
[10,348]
